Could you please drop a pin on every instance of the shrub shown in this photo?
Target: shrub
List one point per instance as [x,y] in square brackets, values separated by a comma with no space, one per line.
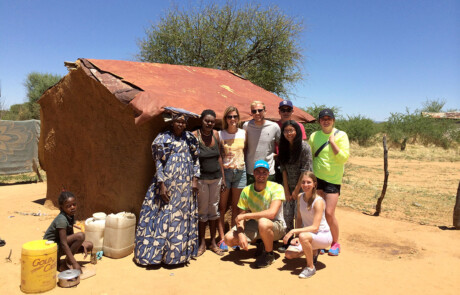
[401,128]
[359,129]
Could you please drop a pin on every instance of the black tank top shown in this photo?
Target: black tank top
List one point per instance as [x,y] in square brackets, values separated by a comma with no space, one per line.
[209,159]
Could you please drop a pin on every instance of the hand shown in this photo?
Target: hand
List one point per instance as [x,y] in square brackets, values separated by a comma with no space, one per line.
[243,241]
[332,137]
[287,194]
[76,265]
[294,196]
[295,242]
[287,237]
[223,187]
[195,185]
[239,218]
[164,193]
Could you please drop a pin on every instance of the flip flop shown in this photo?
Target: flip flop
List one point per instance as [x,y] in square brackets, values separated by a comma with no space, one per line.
[217,250]
[200,251]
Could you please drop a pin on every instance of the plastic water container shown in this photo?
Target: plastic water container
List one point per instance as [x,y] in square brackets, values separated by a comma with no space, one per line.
[38,266]
[119,234]
[94,230]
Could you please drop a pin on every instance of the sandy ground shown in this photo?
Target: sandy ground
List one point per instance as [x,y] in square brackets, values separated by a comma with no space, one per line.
[379,256]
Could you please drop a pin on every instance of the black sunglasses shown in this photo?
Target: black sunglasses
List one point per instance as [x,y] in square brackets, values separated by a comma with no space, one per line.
[232,116]
[286,110]
[257,111]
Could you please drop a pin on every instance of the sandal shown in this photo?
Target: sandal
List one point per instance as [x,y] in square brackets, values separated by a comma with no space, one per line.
[200,252]
[217,250]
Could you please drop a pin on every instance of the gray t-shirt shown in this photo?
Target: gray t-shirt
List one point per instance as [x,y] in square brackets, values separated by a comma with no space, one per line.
[261,144]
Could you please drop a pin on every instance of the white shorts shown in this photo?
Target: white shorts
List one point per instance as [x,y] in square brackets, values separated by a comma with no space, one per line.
[320,240]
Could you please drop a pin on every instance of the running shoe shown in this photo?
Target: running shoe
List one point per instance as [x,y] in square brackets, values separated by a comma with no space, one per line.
[335,250]
[222,246]
[307,272]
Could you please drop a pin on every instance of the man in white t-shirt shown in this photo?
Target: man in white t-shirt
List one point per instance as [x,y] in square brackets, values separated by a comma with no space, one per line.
[262,137]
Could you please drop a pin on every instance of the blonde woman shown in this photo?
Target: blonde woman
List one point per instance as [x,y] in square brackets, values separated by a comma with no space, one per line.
[233,144]
[312,231]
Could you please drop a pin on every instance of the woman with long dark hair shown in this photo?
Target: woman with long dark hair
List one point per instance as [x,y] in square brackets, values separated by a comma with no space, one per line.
[295,158]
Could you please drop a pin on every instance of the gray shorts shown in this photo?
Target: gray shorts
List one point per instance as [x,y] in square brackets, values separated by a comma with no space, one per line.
[251,230]
[208,199]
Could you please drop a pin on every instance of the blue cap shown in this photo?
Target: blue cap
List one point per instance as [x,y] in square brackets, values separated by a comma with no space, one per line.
[286,103]
[261,163]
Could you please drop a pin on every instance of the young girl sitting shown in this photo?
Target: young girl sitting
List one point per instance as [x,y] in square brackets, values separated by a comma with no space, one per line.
[61,232]
[311,229]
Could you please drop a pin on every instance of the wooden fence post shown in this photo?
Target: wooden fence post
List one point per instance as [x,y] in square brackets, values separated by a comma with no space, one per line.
[378,207]
[457,209]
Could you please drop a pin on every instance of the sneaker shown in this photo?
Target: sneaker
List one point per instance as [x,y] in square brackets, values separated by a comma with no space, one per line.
[307,272]
[322,251]
[222,246]
[335,250]
[265,259]
[236,248]
[260,248]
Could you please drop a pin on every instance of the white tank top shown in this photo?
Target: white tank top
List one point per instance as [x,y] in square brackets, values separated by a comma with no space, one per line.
[308,215]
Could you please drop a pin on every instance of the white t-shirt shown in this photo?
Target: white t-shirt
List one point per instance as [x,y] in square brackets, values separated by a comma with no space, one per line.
[233,156]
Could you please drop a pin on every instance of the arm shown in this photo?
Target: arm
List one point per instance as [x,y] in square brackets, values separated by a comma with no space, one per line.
[319,208]
[340,146]
[66,248]
[221,164]
[287,193]
[243,241]
[158,153]
[298,224]
[270,213]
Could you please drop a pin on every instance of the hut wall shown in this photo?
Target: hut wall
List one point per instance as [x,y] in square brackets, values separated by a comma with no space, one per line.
[89,145]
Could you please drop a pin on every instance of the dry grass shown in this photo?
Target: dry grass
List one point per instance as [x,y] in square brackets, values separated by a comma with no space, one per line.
[422,184]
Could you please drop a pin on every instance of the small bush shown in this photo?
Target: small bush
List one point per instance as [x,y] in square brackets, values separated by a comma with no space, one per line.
[414,127]
[359,129]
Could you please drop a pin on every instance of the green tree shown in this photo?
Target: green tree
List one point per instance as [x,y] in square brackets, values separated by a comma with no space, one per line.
[433,105]
[36,84]
[261,44]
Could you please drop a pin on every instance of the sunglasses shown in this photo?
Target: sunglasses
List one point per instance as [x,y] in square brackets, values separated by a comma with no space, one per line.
[257,111]
[232,117]
[286,110]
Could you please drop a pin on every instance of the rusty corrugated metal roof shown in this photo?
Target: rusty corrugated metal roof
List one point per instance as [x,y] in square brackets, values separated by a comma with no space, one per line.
[153,86]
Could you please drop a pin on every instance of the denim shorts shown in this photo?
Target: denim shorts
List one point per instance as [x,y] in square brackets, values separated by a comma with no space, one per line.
[235,178]
[327,187]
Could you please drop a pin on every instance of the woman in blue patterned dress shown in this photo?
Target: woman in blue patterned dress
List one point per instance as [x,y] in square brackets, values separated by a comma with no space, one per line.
[168,222]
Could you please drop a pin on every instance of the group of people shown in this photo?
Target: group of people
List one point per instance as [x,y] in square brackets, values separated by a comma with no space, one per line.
[264,170]
[280,187]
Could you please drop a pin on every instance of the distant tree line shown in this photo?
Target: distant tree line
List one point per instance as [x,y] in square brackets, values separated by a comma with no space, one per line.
[36,84]
[400,128]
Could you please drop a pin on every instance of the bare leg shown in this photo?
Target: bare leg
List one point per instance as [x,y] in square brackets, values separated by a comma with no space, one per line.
[74,241]
[222,209]
[201,234]
[212,232]
[305,241]
[236,192]
[266,233]
[331,204]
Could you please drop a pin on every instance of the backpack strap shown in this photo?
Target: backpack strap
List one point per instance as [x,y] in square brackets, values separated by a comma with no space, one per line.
[324,144]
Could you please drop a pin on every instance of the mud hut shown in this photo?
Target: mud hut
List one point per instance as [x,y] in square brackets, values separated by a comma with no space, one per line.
[99,121]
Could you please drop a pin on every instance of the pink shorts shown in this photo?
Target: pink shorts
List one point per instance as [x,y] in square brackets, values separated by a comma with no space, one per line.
[321,240]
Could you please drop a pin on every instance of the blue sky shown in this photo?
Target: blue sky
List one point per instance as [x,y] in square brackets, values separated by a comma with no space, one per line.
[365,57]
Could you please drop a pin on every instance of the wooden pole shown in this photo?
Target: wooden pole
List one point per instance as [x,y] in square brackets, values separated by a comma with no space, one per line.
[378,207]
[457,209]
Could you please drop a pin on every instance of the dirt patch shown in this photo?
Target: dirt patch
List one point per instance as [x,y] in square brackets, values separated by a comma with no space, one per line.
[383,247]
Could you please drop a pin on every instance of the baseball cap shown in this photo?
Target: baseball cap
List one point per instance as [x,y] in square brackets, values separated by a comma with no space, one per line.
[326,112]
[286,103]
[261,163]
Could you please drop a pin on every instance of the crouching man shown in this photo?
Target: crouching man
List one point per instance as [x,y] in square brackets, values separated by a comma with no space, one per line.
[261,216]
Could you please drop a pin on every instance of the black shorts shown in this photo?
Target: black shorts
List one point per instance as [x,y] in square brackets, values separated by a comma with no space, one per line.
[328,188]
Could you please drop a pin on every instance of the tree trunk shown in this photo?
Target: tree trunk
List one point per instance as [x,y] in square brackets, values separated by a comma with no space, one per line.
[378,207]
[457,209]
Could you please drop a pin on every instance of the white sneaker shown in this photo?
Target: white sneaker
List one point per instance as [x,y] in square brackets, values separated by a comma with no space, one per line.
[307,272]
